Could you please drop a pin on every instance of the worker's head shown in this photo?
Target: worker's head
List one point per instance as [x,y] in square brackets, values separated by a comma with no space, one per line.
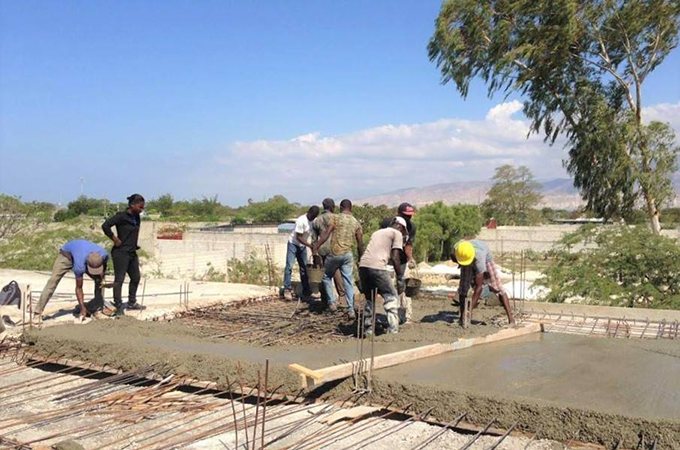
[400,224]
[135,203]
[312,212]
[345,205]
[406,210]
[95,264]
[328,204]
[464,253]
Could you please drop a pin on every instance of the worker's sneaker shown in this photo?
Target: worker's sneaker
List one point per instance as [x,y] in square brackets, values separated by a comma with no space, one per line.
[392,330]
[288,295]
[119,312]
[333,307]
[368,332]
[136,307]
[352,314]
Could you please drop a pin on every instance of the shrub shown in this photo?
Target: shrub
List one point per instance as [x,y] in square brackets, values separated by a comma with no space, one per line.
[252,270]
[618,266]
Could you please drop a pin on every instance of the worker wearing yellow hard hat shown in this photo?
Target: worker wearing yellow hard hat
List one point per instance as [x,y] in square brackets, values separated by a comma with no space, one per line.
[465,253]
[477,267]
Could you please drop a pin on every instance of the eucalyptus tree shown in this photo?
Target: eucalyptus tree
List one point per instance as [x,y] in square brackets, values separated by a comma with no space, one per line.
[580,66]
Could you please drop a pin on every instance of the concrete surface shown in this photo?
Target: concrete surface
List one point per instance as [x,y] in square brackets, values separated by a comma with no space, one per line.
[619,377]
[160,296]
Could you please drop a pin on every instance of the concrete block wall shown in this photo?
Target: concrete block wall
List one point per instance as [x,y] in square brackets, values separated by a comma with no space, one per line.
[187,259]
[538,238]
[241,245]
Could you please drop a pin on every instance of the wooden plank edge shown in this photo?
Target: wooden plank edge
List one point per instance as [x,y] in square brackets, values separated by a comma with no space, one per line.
[345,370]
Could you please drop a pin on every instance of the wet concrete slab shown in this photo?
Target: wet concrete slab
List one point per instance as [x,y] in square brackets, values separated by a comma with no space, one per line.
[632,378]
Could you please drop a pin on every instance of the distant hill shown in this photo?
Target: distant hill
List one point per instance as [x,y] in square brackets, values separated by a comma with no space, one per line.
[558,193]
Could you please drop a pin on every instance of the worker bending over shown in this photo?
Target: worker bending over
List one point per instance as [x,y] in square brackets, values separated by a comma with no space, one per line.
[82,257]
[345,230]
[476,263]
[385,246]
[406,259]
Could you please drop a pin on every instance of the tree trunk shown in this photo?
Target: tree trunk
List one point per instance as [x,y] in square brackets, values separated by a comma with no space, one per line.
[653,213]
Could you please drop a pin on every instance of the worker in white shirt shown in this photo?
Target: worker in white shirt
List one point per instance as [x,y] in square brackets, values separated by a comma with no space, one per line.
[297,243]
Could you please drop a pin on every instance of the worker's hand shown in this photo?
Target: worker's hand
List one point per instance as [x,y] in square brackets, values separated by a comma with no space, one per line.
[117,242]
[401,285]
[411,263]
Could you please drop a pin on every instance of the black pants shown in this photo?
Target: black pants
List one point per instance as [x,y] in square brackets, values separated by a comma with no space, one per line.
[125,262]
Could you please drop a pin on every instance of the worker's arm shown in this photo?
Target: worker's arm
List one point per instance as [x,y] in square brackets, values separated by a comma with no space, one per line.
[396,262]
[303,241]
[323,238]
[479,285]
[360,242]
[106,228]
[80,296]
[408,249]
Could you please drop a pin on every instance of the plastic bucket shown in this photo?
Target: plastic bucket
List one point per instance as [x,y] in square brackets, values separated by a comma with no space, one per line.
[412,287]
[315,274]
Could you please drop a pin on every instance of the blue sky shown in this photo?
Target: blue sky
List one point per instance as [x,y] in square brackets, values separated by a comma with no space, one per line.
[247,100]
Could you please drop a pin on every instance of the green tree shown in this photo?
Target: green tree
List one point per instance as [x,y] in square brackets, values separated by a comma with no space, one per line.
[439,226]
[276,209]
[580,65]
[370,217]
[513,196]
[163,204]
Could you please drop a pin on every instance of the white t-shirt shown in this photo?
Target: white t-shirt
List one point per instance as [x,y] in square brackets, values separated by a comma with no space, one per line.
[302,226]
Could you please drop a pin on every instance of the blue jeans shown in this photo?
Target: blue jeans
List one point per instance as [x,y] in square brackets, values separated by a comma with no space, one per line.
[300,253]
[345,263]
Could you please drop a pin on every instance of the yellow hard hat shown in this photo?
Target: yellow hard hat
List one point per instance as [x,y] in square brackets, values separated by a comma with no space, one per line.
[465,253]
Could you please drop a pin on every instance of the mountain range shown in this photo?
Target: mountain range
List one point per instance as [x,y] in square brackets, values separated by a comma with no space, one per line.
[558,193]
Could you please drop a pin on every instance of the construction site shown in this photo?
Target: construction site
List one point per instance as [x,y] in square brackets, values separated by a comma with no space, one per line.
[220,365]
[340,225]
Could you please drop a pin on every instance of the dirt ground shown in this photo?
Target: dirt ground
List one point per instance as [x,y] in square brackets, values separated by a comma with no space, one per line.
[184,350]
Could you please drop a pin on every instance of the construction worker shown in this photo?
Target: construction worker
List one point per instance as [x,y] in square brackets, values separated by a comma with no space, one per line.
[124,252]
[82,257]
[318,227]
[345,229]
[476,266]
[296,250]
[406,211]
[385,245]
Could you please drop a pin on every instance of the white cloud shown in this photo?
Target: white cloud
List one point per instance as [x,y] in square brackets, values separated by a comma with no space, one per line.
[384,158]
[664,112]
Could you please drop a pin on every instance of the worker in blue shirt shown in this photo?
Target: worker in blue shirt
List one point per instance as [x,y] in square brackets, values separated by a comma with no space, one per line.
[82,257]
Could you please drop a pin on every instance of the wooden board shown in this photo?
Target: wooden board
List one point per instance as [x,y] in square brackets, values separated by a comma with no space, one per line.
[310,378]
